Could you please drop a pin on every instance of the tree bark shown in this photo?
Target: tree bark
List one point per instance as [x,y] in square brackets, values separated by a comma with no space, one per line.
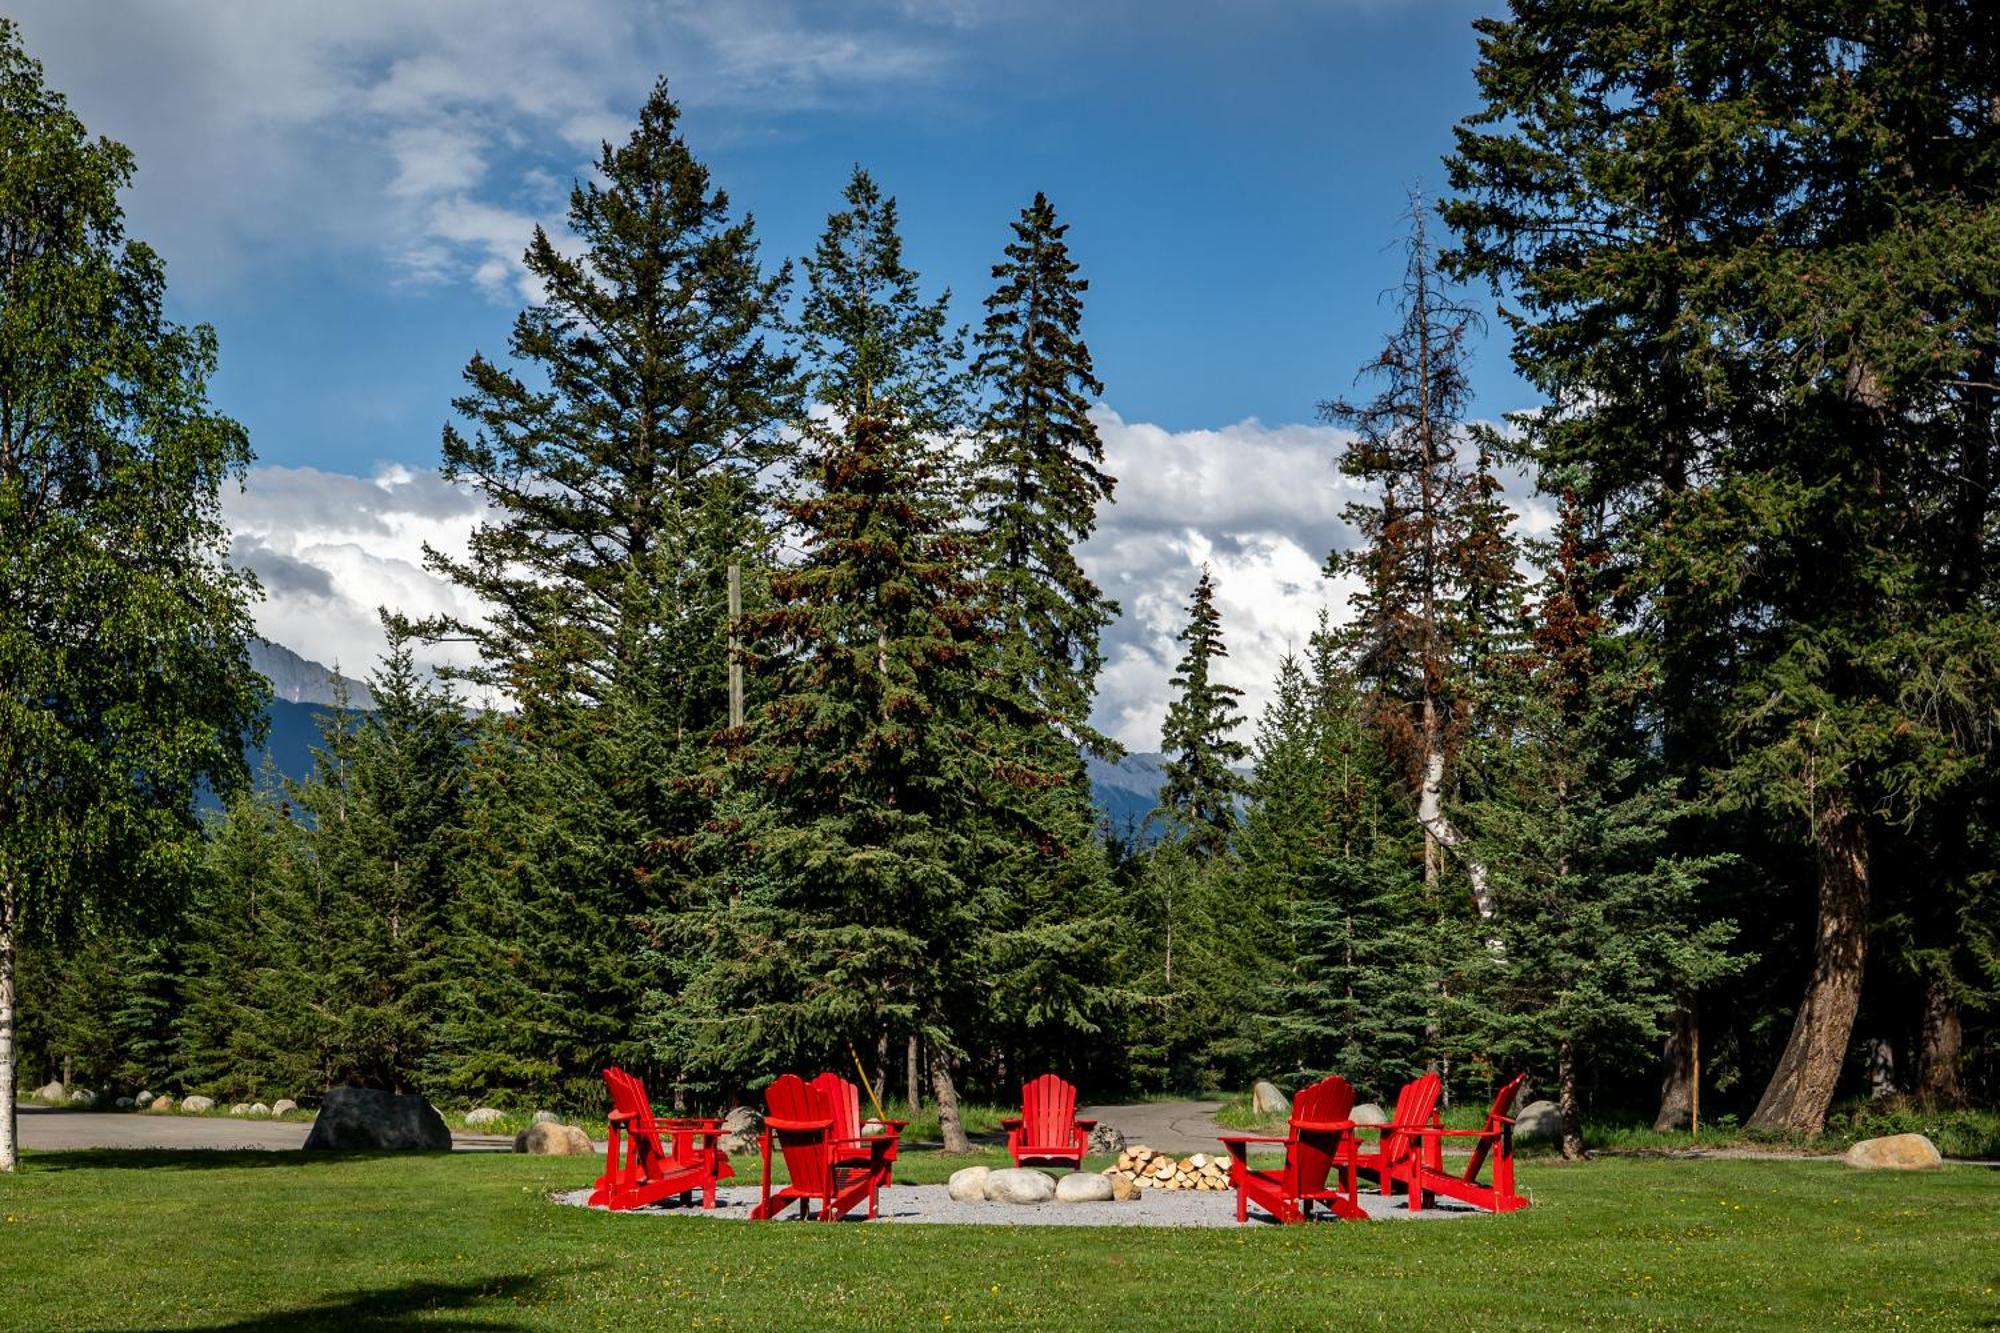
[1802,1086]
[1430,814]
[950,1127]
[1943,1048]
[1572,1115]
[9,1076]
[1676,1092]
[912,1078]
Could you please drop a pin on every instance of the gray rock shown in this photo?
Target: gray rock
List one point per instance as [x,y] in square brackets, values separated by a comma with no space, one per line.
[1266,1099]
[1106,1141]
[82,1097]
[545,1118]
[1368,1113]
[1897,1152]
[51,1091]
[197,1105]
[284,1106]
[740,1129]
[259,1110]
[241,1108]
[145,1097]
[1083,1187]
[553,1140]
[1018,1184]
[125,1103]
[968,1184]
[483,1115]
[368,1118]
[161,1103]
[1539,1122]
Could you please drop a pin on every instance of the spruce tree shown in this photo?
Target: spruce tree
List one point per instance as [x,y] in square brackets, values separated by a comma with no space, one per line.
[1434,562]
[861,787]
[1040,474]
[627,456]
[1202,786]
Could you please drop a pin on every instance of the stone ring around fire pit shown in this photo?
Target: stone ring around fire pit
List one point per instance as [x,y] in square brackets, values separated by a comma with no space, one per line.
[1024,1185]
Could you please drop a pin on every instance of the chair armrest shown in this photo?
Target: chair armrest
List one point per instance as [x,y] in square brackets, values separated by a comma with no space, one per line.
[1438,1132]
[801,1126]
[1324,1126]
[1250,1138]
[1087,1124]
[1011,1122]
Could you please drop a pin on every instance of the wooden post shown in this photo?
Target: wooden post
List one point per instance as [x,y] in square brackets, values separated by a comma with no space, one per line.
[735,646]
[1694,1080]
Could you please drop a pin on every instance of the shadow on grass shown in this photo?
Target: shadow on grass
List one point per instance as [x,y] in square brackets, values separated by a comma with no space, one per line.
[397,1307]
[198,1159]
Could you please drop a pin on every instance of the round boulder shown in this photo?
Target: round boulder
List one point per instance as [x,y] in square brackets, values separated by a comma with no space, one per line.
[51,1091]
[362,1119]
[1539,1122]
[968,1184]
[739,1130]
[1267,1099]
[161,1103]
[125,1103]
[145,1097]
[1084,1187]
[82,1097]
[259,1110]
[1106,1141]
[284,1106]
[197,1105]
[1897,1152]
[553,1140]
[1018,1184]
[483,1115]
[1123,1187]
[241,1108]
[1368,1113]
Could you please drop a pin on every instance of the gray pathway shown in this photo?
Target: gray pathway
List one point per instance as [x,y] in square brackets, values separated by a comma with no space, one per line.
[51,1129]
[1176,1127]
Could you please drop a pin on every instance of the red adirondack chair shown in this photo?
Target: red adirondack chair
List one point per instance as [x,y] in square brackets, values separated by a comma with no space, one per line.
[640,1167]
[843,1103]
[1493,1141]
[1319,1139]
[1047,1132]
[840,1172]
[1395,1154]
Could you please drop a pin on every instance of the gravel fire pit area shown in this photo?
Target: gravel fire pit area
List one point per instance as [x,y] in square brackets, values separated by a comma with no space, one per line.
[935,1204]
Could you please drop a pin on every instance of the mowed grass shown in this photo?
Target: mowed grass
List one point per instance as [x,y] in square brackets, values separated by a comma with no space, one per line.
[247,1241]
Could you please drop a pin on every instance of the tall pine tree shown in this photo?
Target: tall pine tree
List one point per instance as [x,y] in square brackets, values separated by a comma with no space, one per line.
[1202,786]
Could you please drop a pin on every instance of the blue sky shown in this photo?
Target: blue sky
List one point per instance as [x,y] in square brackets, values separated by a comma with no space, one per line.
[343,191]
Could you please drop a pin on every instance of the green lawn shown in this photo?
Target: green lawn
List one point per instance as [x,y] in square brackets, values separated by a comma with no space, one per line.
[245,1240]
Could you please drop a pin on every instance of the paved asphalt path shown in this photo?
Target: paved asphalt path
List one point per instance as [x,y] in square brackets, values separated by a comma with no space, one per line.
[1175,1127]
[51,1129]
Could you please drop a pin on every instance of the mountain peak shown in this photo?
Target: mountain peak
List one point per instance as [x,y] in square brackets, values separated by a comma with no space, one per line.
[301,680]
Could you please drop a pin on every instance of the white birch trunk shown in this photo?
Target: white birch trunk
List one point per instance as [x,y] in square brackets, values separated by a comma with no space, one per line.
[1430,813]
[9,1073]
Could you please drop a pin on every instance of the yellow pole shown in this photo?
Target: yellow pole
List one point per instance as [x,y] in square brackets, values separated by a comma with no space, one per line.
[872,1099]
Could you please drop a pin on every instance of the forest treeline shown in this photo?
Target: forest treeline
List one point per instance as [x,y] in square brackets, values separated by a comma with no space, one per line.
[1698,779]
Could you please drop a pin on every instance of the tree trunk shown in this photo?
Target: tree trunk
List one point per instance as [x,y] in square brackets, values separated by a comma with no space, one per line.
[912,1078]
[1430,814]
[1943,1047]
[1572,1115]
[9,1149]
[950,1127]
[1676,1091]
[1802,1086]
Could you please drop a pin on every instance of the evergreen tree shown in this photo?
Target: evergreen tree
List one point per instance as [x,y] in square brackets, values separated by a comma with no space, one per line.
[862,785]
[1202,785]
[1040,474]
[1434,562]
[627,459]
[125,684]
[1597,916]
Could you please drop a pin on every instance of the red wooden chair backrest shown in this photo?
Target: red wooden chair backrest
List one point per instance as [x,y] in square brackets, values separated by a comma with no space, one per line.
[1496,1121]
[640,1106]
[807,1156]
[842,1101]
[1048,1112]
[1311,1152]
[1415,1105]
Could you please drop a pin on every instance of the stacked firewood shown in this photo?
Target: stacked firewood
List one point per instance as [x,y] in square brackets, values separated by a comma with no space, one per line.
[1145,1169]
